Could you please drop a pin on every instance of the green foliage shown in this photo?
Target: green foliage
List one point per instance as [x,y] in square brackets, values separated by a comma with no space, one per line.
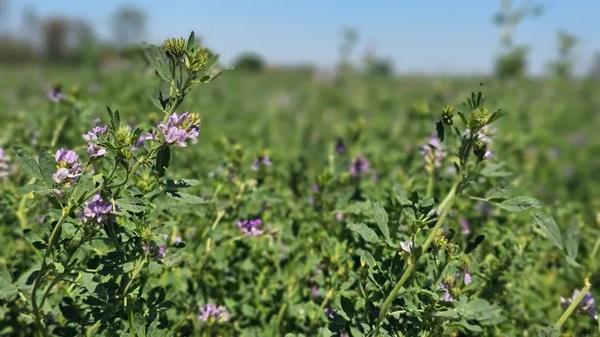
[471,245]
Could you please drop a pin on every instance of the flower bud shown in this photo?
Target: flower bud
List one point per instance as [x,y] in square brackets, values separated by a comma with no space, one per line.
[175,48]
[478,118]
[448,115]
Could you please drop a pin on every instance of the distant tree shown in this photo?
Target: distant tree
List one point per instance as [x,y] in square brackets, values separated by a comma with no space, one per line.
[129,26]
[349,40]
[562,67]
[512,61]
[55,31]
[249,62]
[594,71]
[377,66]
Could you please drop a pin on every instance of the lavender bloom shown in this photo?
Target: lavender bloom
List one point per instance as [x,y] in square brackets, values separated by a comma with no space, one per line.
[447,296]
[359,166]
[433,152]
[146,136]
[212,313]
[488,155]
[179,129]
[68,166]
[467,278]
[486,133]
[465,226]
[340,147]
[315,292]
[262,160]
[587,304]
[95,151]
[95,132]
[161,253]
[96,210]
[56,95]
[252,227]
[5,167]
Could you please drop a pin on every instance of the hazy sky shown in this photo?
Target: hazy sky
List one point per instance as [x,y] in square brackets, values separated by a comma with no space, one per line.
[429,36]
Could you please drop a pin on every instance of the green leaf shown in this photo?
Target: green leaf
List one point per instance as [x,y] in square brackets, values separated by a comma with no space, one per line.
[381,219]
[29,165]
[8,290]
[439,127]
[366,258]
[500,193]
[519,204]
[130,204]
[365,232]
[163,157]
[549,227]
[572,244]
[186,197]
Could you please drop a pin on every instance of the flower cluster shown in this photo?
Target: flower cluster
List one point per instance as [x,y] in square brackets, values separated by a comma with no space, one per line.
[213,313]
[179,129]
[68,166]
[96,210]
[359,166]
[263,160]
[252,227]
[5,167]
[433,153]
[56,95]
[587,304]
[91,137]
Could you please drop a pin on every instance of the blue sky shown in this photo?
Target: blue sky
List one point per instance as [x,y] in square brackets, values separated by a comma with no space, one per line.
[448,36]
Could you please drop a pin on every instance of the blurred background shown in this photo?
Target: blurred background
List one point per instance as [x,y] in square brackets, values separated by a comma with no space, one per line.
[414,37]
[373,73]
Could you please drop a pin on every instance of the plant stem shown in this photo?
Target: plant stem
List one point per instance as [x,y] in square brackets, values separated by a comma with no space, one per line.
[43,269]
[574,304]
[443,210]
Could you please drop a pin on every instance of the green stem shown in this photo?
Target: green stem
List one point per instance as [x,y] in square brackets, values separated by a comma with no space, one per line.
[574,304]
[430,184]
[43,269]
[443,210]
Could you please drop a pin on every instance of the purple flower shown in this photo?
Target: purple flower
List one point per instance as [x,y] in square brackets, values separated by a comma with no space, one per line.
[161,253]
[315,292]
[359,166]
[68,166]
[446,296]
[467,278]
[263,160]
[95,151]
[465,226]
[5,167]
[340,147]
[488,155]
[433,152]
[330,313]
[179,129]
[252,227]
[96,210]
[56,95]
[95,132]
[587,304]
[142,139]
[212,313]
